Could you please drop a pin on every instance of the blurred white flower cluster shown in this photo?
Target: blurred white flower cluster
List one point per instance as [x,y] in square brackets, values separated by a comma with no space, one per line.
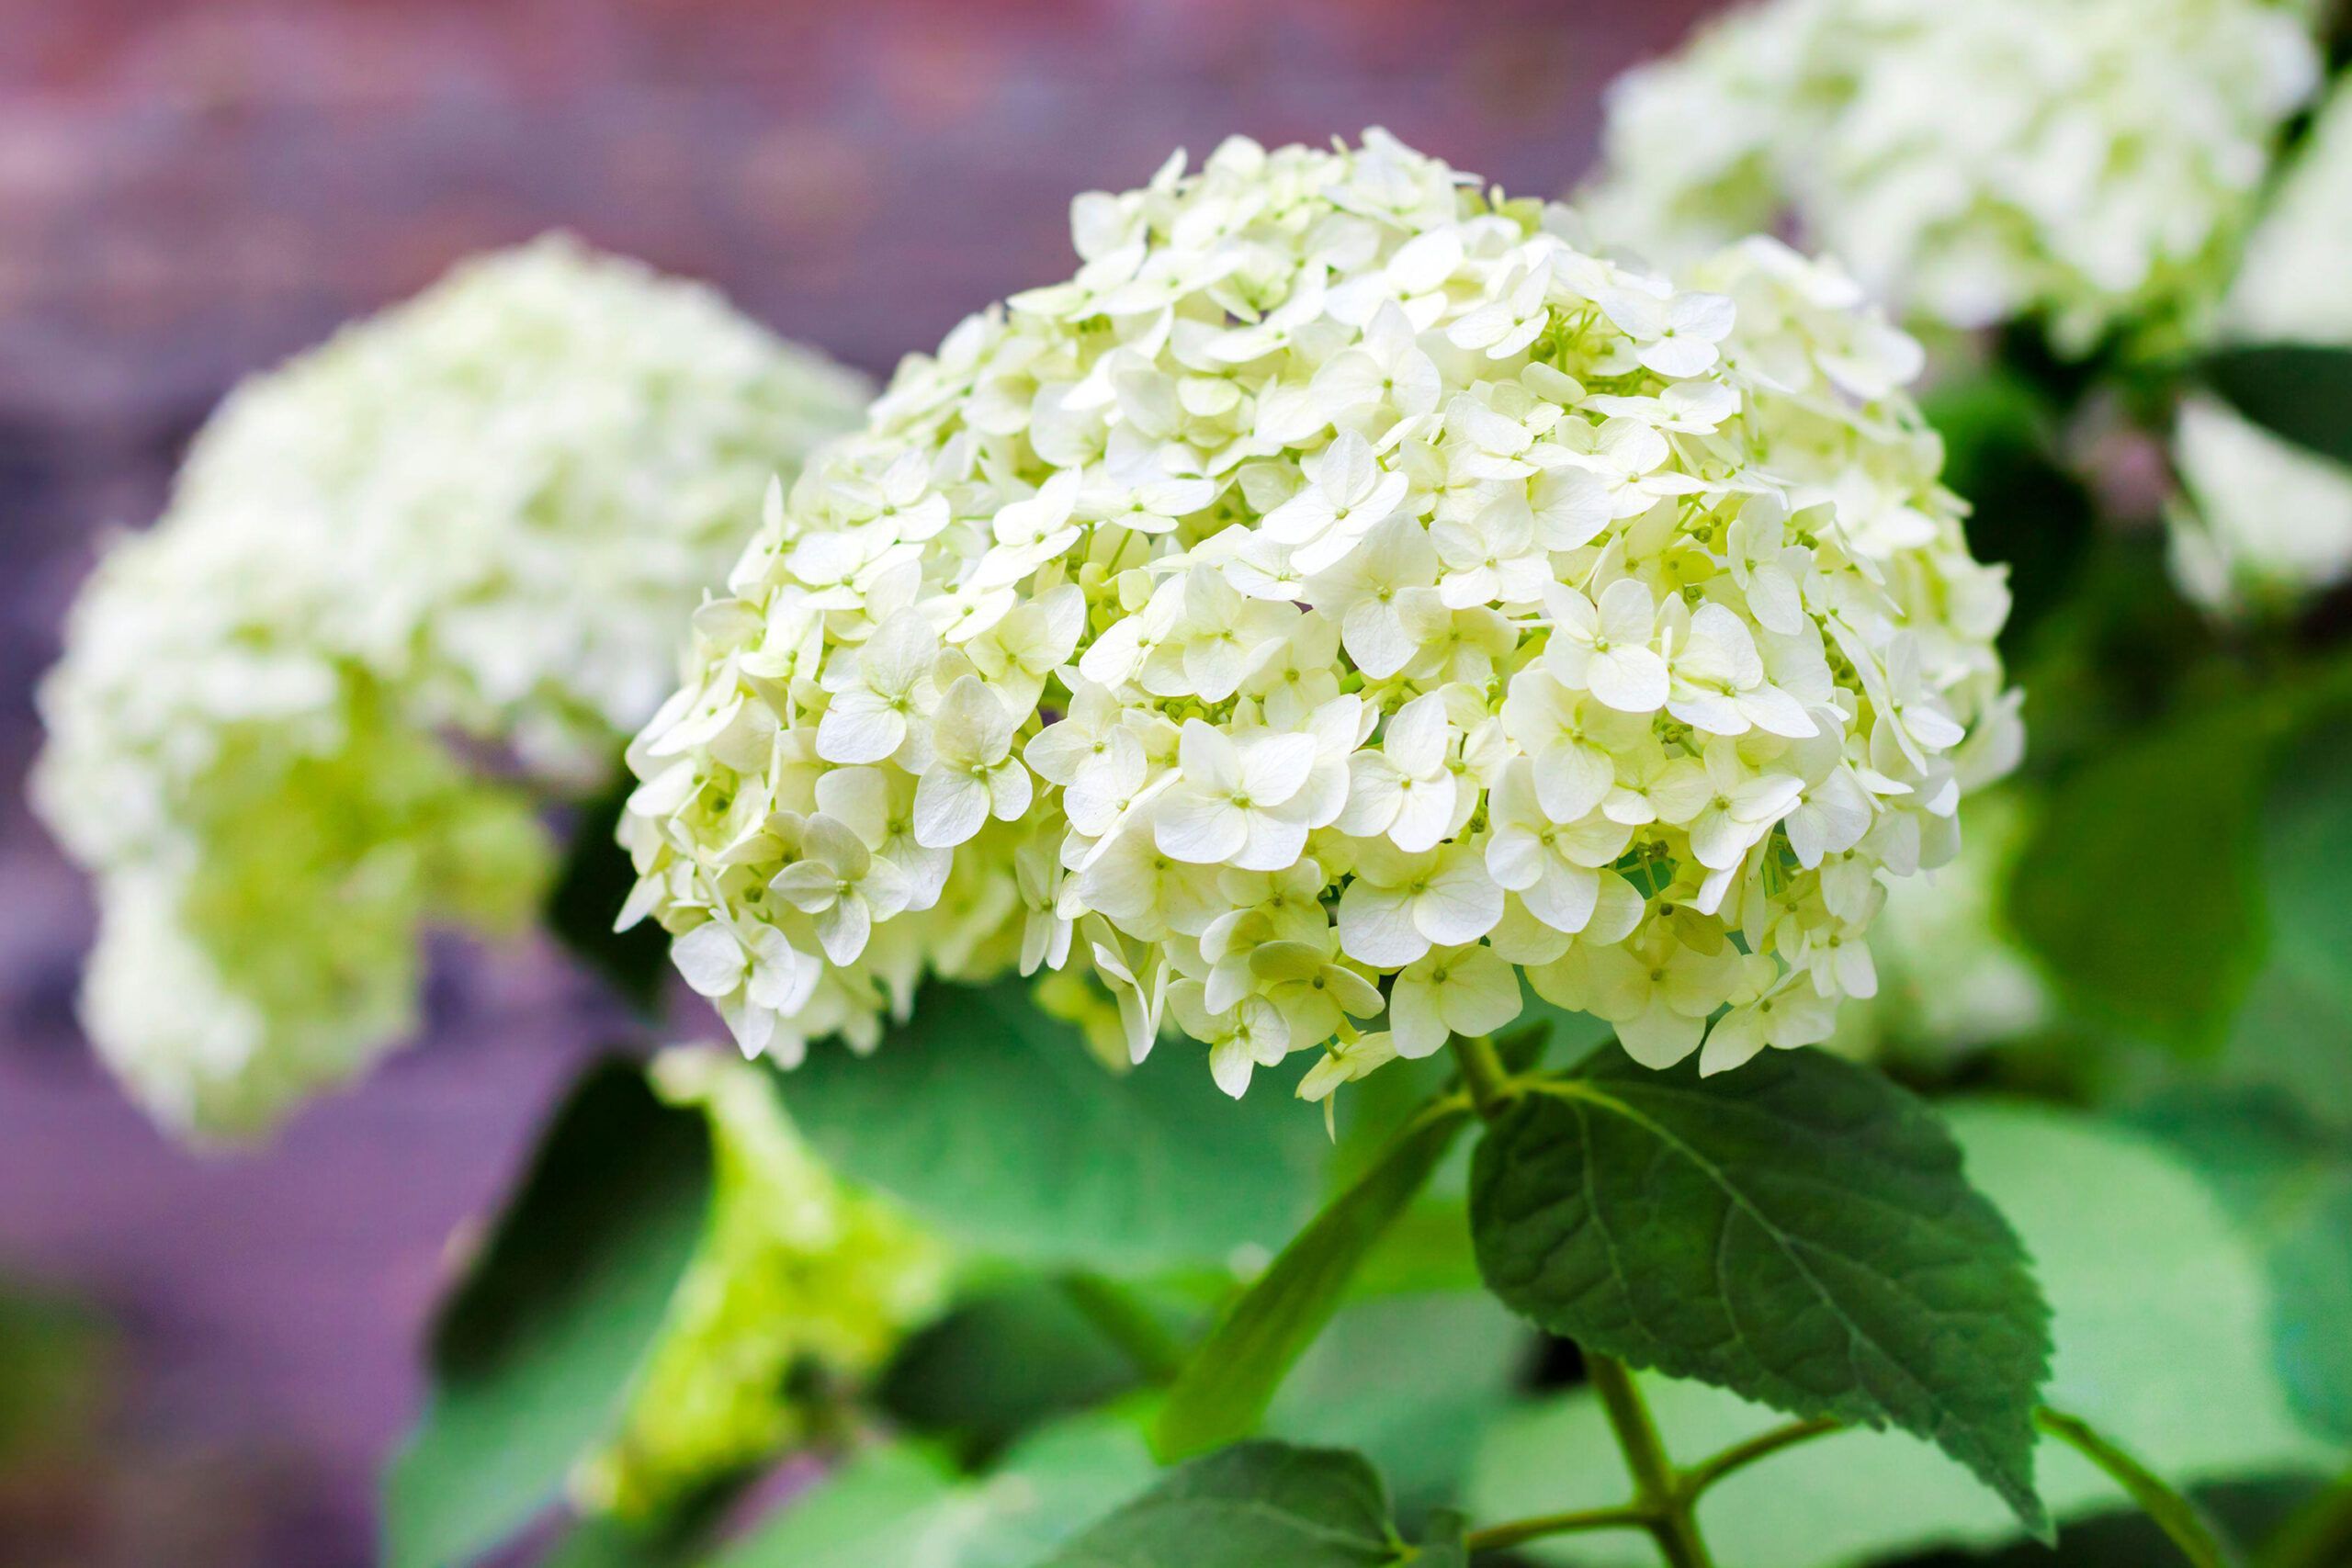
[798,1274]
[469,528]
[2265,521]
[2088,161]
[1344,593]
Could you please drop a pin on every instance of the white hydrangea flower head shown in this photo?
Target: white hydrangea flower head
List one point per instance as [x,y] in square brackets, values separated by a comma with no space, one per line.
[467,527]
[798,1270]
[2085,160]
[1343,595]
[2262,522]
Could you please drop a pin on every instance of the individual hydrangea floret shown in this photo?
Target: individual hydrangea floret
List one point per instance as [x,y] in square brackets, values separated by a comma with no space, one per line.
[2262,522]
[1345,594]
[465,531]
[803,1284]
[2084,161]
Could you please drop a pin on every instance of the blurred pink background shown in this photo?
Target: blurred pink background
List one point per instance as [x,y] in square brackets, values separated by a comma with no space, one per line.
[189,193]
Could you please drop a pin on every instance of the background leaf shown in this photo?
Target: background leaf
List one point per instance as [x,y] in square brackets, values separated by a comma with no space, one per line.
[2159,1306]
[1798,1231]
[2303,391]
[2139,888]
[1253,1506]
[905,1504]
[533,1357]
[996,1125]
[587,895]
[1230,1377]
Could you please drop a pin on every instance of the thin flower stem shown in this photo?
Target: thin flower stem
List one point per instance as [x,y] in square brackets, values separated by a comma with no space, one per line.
[1518,1532]
[1658,1492]
[2178,1517]
[1739,1456]
[1482,1073]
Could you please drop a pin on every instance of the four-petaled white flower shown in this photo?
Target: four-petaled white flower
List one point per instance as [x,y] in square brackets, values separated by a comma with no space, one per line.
[972,775]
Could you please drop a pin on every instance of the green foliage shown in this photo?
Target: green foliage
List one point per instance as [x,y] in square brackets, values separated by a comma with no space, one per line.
[906,1504]
[1799,1232]
[534,1355]
[57,1357]
[2158,1311]
[2140,888]
[1253,1506]
[2001,456]
[2303,391]
[994,1124]
[2307,861]
[2289,1179]
[1224,1387]
[589,890]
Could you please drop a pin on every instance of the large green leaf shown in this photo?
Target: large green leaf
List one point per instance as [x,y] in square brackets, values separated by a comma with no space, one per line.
[2289,1179]
[2159,1306]
[2140,889]
[993,1122]
[906,1506]
[2300,390]
[1798,1231]
[1260,1505]
[2307,861]
[534,1355]
[1229,1379]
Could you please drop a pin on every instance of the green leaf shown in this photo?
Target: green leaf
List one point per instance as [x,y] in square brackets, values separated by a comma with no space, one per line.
[1226,1386]
[994,1123]
[905,1504]
[1798,1231]
[2307,861]
[588,891]
[533,1357]
[1253,1506]
[2027,510]
[2159,1306]
[2289,1179]
[2180,1519]
[2303,391]
[2139,889]
[1419,1416]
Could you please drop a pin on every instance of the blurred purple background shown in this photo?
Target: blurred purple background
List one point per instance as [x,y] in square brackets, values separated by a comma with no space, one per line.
[189,192]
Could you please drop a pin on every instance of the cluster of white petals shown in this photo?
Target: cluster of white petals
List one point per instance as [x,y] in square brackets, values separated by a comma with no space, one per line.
[1344,593]
[2266,521]
[2087,161]
[468,528]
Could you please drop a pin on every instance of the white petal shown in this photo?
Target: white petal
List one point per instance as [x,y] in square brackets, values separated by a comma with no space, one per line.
[950,807]
[710,958]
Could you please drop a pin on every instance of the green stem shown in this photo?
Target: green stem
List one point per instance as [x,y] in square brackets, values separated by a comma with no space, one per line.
[1658,1492]
[1518,1532]
[2178,1517]
[1482,1073]
[1739,1456]
[1123,1320]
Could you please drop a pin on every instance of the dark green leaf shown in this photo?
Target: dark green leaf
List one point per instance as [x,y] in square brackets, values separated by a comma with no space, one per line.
[2158,1309]
[1260,1505]
[2139,889]
[1224,1387]
[2303,391]
[2288,1180]
[2307,860]
[589,890]
[2026,509]
[1007,1359]
[994,1122]
[904,1505]
[534,1355]
[1799,1232]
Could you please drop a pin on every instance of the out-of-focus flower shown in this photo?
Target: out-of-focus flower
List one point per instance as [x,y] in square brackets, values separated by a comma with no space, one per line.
[1342,593]
[469,528]
[2263,522]
[800,1279]
[2085,160]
